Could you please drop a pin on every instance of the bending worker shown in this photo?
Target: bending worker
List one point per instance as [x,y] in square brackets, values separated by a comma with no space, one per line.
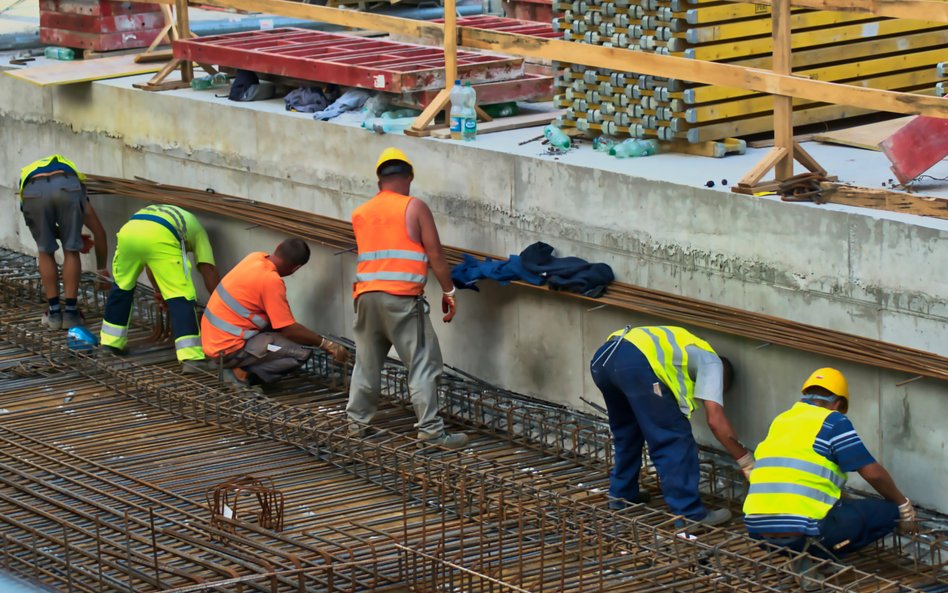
[159,237]
[55,206]
[248,322]
[397,240]
[794,497]
[650,378]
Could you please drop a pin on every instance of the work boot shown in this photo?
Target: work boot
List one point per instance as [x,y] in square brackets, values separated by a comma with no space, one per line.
[195,367]
[71,319]
[617,504]
[360,431]
[236,376]
[54,319]
[716,517]
[809,576]
[447,440]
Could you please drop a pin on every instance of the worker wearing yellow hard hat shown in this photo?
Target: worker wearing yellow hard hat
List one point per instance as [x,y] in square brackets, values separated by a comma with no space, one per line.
[398,241]
[795,499]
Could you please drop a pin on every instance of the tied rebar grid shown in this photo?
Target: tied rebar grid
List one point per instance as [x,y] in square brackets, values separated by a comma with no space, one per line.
[584,539]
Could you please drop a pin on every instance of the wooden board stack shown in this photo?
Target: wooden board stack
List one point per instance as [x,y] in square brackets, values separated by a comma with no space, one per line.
[853,48]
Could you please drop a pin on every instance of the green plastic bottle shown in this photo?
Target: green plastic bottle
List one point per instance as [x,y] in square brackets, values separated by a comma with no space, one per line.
[59,53]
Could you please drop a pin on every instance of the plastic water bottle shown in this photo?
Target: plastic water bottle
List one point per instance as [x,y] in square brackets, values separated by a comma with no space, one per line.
[457,109]
[633,147]
[388,125]
[604,143]
[59,53]
[202,83]
[469,125]
[557,137]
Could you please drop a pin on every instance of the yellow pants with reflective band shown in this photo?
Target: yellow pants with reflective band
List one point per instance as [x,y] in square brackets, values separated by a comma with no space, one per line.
[141,243]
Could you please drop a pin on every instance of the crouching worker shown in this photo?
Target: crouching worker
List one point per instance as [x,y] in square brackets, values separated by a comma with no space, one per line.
[795,488]
[248,324]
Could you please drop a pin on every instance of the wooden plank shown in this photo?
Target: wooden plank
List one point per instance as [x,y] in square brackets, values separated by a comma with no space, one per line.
[76,71]
[867,136]
[937,10]
[783,106]
[916,147]
[881,199]
[508,123]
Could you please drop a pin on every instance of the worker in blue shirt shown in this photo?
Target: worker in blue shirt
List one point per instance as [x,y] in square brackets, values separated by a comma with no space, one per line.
[795,499]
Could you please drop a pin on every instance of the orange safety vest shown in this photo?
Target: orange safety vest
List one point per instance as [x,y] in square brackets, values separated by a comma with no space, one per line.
[234,312]
[389,260]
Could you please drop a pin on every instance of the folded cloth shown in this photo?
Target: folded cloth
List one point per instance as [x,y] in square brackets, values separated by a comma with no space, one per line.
[536,265]
[306,100]
[350,100]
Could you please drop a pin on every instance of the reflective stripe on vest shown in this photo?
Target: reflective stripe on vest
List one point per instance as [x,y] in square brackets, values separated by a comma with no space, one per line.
[229,328]
[389,259]
[232,304]
[665,347]
[28,170]
[789,477]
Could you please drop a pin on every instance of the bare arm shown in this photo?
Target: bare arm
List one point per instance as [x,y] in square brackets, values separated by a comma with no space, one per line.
[432,244]
[722,430]
[879,478]
[99,236]
[211,276]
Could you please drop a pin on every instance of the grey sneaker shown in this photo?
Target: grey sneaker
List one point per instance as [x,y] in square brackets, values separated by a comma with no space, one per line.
[716,517]
[446,439]
[360,431]
[53,319]
[808,574]
[72,319]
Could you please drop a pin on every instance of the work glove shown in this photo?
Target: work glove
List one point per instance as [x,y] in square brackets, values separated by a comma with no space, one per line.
[908,522]
[448,305]
[747,464]
[338,352]
[87,244]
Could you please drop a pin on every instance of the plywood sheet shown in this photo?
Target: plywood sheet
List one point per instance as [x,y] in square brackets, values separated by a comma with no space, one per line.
[867,136]
[83,70]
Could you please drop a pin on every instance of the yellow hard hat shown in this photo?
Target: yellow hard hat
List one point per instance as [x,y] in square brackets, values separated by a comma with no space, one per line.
[392,154]
[829,379]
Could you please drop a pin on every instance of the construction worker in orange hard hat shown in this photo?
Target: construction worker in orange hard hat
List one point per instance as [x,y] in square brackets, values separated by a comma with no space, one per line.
[397,242]
[795,491]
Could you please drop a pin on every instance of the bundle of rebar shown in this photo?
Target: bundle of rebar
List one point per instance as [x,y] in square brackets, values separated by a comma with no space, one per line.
[337,234]
[851,48]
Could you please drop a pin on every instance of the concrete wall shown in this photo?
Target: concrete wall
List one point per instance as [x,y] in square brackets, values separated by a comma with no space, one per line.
[866,273]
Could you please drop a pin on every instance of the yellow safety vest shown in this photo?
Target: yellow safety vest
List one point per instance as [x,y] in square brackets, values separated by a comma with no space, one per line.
[28,170]
[790,478]
[665,348]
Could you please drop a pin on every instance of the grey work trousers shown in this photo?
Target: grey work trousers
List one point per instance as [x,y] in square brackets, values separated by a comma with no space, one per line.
[383,320]
[269,356]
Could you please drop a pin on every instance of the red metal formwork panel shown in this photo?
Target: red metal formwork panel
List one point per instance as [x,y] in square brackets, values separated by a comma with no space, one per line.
[509,25]
[916,147]
[98,41]
[526,88]
[80,23]
[346,60]
[97,7]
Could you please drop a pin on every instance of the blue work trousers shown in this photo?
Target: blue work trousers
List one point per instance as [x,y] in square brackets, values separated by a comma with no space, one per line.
[643,410]
[852,524]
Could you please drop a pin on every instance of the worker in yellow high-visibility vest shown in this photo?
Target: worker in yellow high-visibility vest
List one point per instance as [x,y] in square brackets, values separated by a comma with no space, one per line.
[158,238]
[794,497]
[650,378]
[55,207]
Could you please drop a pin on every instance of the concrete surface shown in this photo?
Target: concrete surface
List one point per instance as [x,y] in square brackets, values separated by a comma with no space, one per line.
[870,273]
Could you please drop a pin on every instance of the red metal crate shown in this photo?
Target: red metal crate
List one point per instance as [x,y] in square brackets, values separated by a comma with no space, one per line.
[530,10]
[99,25]
[346,60]
[508,25]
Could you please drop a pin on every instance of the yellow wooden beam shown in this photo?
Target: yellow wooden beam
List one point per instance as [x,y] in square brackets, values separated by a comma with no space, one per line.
[762,26]
[803,39]
[936,10]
